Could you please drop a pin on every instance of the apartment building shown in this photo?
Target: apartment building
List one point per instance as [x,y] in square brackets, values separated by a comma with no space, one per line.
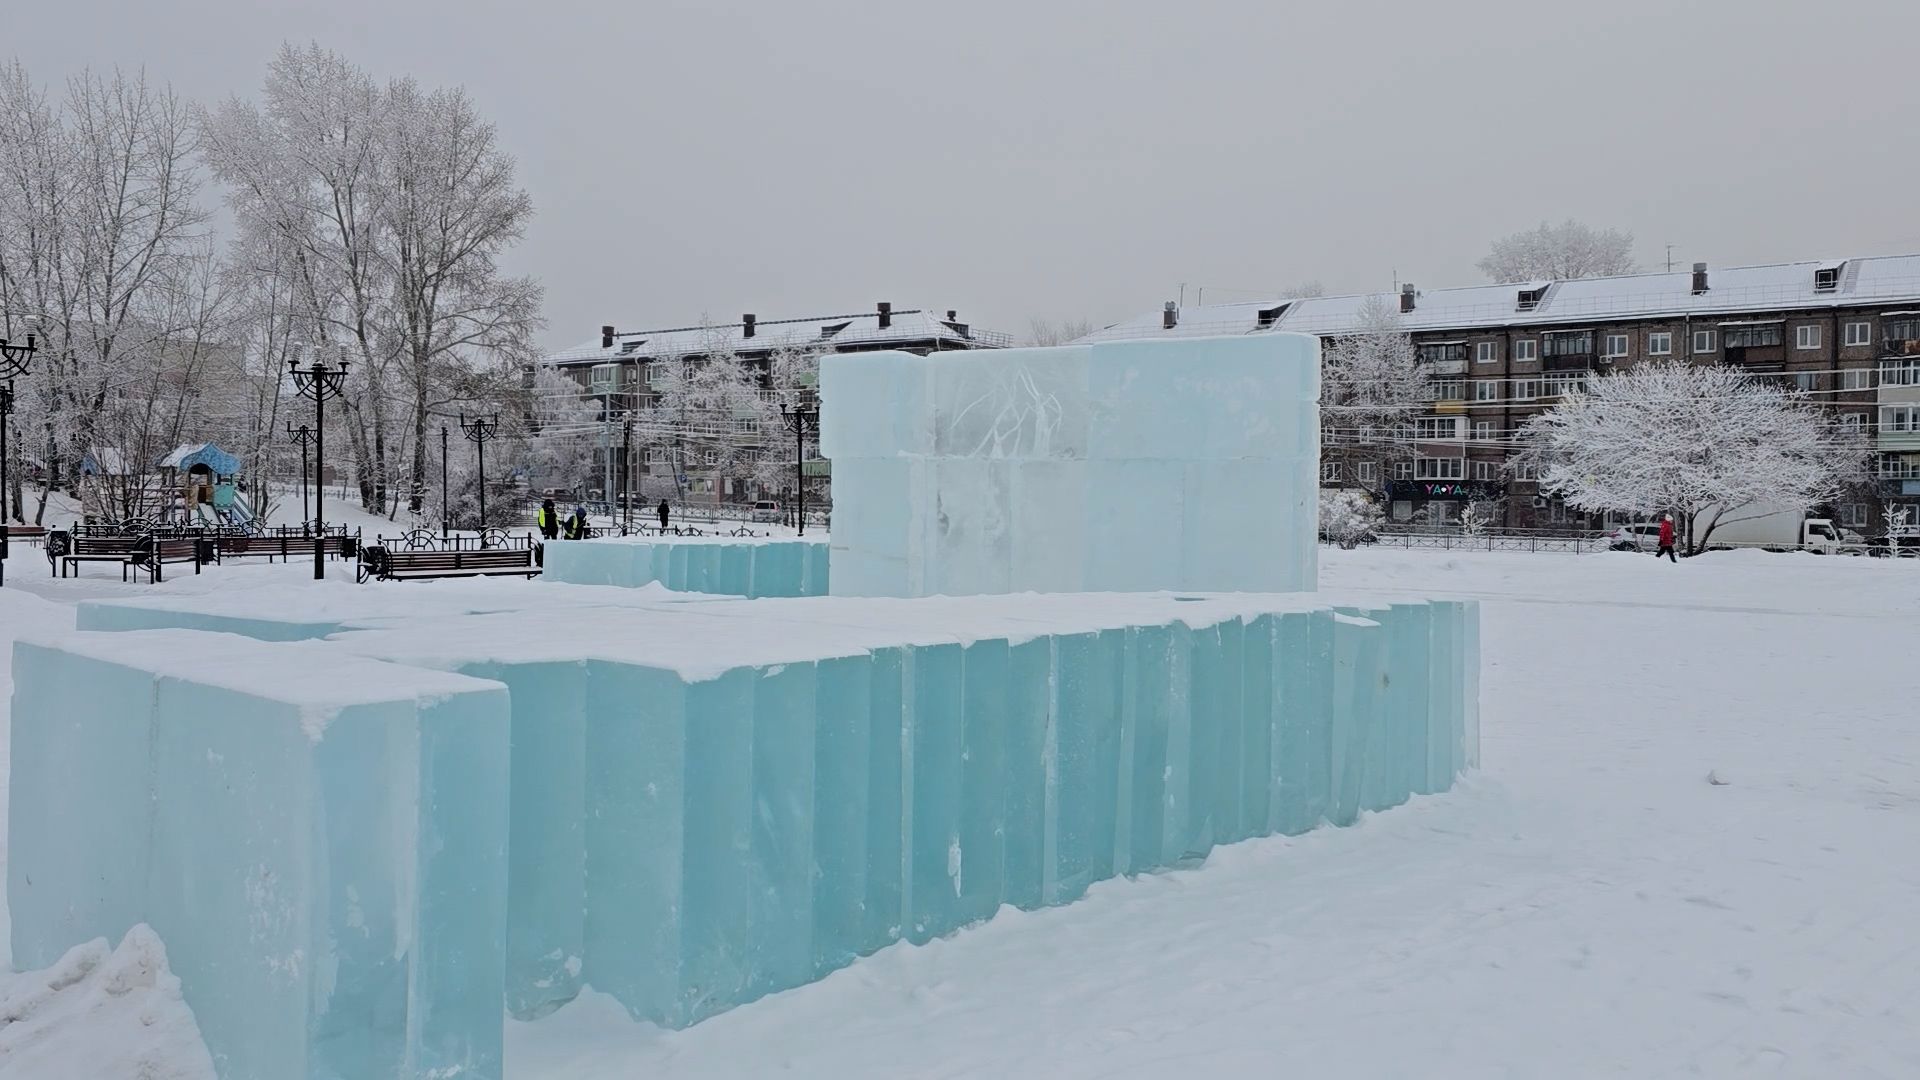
[1846,331]
[621,372]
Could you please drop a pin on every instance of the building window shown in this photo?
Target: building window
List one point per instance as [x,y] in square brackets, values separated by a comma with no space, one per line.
[1366,472]
[1403,470]
[1573,343]
[1900,420]
[1562,383]
[1856,379]
[1329,472]
[1806,337]
[1902,336]
[646,455]
[1449,389]
[1900,373]
[1436,428]
[1703,341]
[1483,470]
[1859,333]
[1853,422]
[1485,352]
[1442,350]
[1616,345]
[1486,390]
[1806,381]
[1660,344]
[1526,349]
[712,457]
[1525,470]
[1526,389]
[1438,468]
[1753,337]
[1483,429]
[1853,515]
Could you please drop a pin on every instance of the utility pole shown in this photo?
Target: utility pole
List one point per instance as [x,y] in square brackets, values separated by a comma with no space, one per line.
[303,435]
[626,475]
[446,520]
[801,418]
[13,363]
[478,431]
[1669,258]
[319,382]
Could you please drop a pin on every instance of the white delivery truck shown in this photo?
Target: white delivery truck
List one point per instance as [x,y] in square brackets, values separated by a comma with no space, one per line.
[1775,527]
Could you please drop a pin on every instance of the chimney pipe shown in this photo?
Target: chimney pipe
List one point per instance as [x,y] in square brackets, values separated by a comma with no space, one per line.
[1407,297]
[1699,278]
[606,337]
[1169,316]
[886,314]
[746,324]
[953,315]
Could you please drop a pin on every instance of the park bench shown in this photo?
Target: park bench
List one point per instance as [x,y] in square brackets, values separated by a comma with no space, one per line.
[67,551]
[379,562]
[29,534]
[286,547]
[153,553]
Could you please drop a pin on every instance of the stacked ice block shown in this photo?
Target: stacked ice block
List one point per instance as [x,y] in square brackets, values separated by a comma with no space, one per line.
[725,565]
[1187,464]
[320,840]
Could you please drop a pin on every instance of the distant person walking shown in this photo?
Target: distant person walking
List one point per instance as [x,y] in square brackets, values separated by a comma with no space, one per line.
[577,524]
[662,511]
[1666,538]
[548,519]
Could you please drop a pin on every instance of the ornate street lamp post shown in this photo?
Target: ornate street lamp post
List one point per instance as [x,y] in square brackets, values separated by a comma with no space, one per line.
[319,382]
[479,430]
[13,363]
[802,417]
[302,435]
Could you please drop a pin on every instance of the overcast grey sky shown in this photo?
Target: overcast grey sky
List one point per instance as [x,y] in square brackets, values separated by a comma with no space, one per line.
[1041,158]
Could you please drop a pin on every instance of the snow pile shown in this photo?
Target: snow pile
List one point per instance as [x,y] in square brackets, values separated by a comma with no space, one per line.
[99,1013]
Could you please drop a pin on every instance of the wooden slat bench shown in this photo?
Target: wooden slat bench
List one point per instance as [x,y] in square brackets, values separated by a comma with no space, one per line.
[153,555]
[391,564]
[26,534]
[64,552]
[286,547]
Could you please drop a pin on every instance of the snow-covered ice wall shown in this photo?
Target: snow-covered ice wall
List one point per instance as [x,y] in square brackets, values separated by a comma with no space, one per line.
[727,566]
[320,839]
[1130,466]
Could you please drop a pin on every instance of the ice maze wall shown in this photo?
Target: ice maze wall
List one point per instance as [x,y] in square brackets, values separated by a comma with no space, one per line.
[685,844]
[751,568]
[327,868]
[1125,467]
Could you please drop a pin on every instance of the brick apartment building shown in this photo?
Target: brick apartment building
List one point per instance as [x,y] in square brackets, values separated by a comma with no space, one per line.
[1846,331]
[620,370]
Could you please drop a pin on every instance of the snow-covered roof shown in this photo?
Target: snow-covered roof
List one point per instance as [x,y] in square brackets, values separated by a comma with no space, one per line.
[1731,291]
[215,459]
[826,331]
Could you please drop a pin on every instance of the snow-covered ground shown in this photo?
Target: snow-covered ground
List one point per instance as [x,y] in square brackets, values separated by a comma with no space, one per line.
[1691,851]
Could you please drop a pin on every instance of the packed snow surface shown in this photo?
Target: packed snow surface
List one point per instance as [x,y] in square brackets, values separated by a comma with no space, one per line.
[1589,904]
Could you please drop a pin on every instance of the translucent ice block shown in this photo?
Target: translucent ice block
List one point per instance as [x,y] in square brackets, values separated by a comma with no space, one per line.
[725,566]
[320,841]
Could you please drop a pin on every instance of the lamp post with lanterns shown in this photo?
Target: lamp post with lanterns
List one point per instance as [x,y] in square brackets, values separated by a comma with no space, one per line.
[319,382]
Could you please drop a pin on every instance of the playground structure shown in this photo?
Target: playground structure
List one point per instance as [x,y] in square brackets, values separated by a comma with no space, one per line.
[194,484]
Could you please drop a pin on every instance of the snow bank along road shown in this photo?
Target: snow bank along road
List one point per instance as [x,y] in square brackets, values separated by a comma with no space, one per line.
[1589,905]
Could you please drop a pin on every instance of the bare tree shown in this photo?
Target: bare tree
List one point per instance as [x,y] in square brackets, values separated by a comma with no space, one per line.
[1045,333]
[1710,445]
[1371,386]
[1562,252]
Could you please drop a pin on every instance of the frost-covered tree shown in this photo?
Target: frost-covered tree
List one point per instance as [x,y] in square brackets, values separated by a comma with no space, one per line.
[1562,252]
[708,414]
[1346,516]
[1711,445]
[1046,332]
[790,372]
[1371,386]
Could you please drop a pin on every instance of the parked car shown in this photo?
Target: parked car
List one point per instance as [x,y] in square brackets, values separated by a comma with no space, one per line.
[766,510]
[1904,547]
[1637,536]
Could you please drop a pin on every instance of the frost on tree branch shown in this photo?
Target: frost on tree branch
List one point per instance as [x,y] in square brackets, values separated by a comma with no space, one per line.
[1563,252]
[1711,445]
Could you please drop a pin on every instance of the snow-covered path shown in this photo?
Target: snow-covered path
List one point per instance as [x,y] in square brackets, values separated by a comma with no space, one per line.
[1588,905]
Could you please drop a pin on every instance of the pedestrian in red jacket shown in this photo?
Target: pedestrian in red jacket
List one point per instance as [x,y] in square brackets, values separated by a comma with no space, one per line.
[1666,538]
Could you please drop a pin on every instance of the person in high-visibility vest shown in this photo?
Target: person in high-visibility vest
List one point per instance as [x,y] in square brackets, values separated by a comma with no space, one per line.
[548,520]
[576,524]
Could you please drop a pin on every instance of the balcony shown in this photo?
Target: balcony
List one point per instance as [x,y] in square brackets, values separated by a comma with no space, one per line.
[1443,367]
[1897,442]
[1450,406]
[1570,362]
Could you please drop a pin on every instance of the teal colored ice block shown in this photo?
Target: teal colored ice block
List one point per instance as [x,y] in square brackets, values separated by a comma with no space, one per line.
[935,858]
[547,837]
[1354,647]
[1258,769]
[1028,769]
[1305,676]
[94,615]
[889,796]
[817,559]
[980,866]
[778,569]
[324,846]
[1469,667]
[1411,697]
[77,865]
[736,571]
[1144,707]
[1206,697]
[784,790]
[1227,685]
[843,703]
[1086,759]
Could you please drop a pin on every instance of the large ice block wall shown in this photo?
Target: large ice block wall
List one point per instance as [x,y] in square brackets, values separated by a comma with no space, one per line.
[1132,466]
[320,839]
[726,566]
